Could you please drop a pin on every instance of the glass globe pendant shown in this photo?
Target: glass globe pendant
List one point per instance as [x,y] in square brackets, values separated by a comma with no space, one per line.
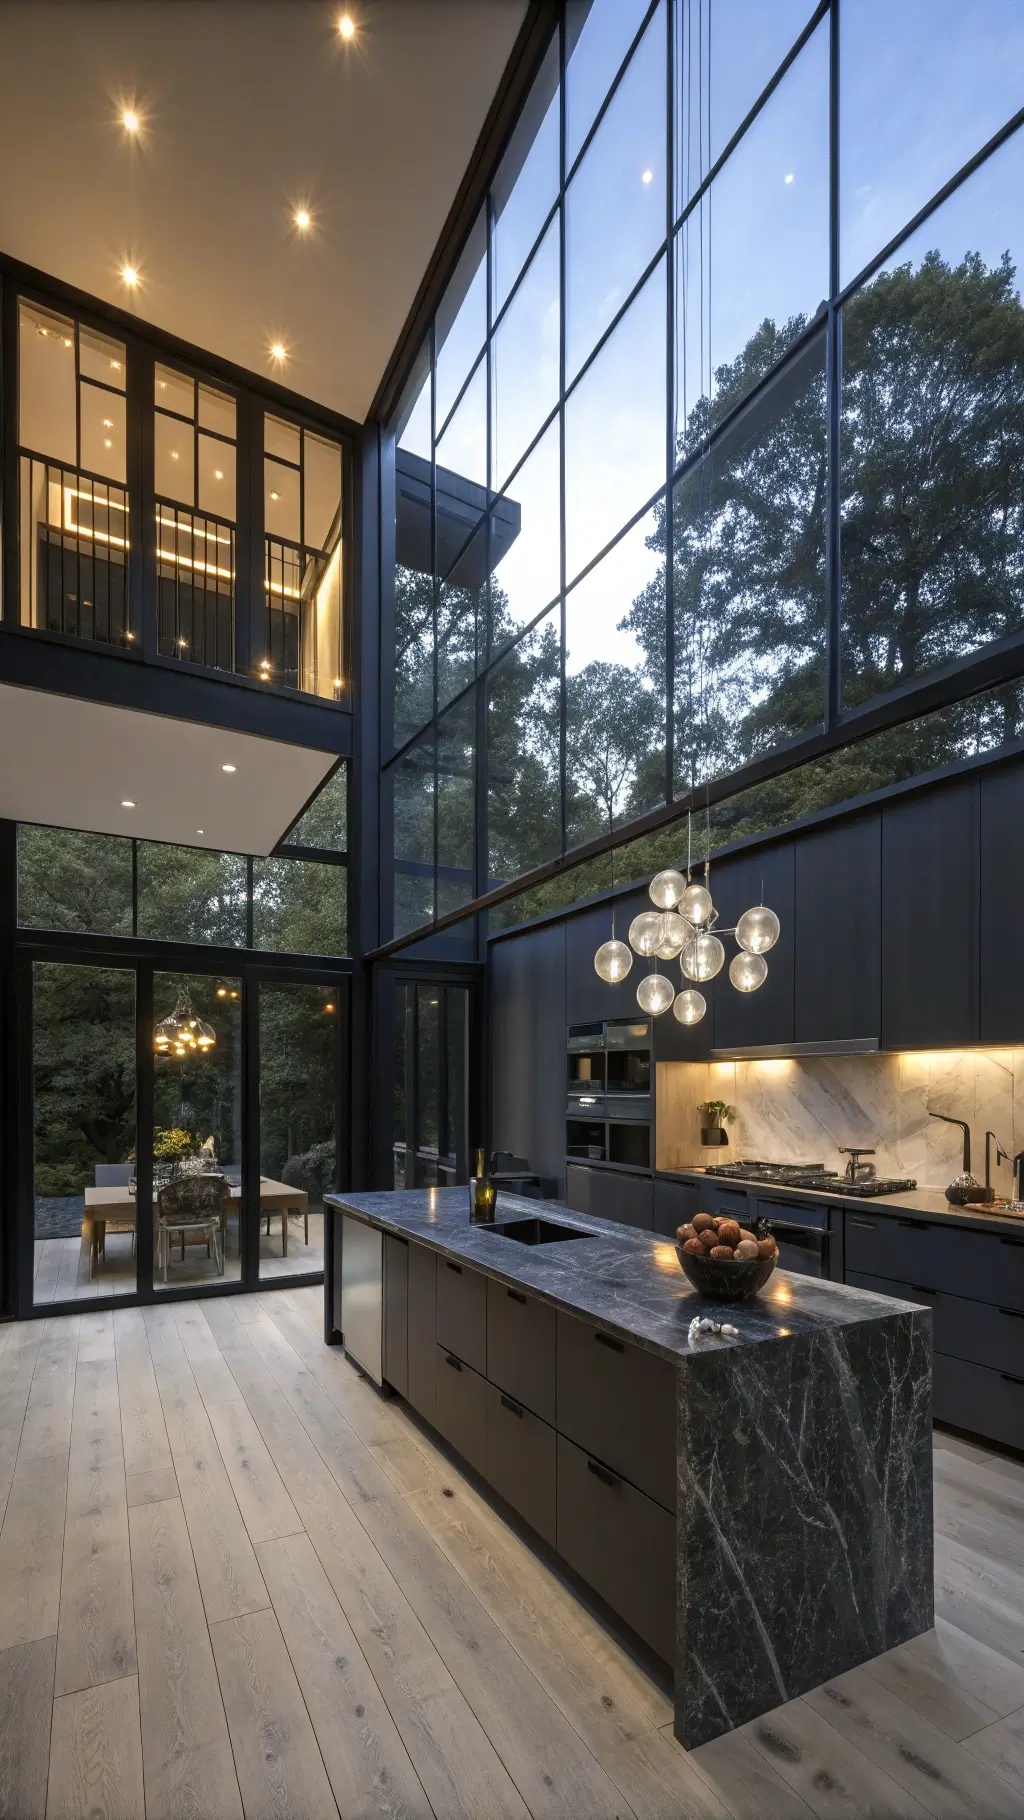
[704,957]
[645,933]
[758,930]
[612,961]
[689,1006]
[666,889]
[675,933]
[695,904]
[748,971]
[655,993]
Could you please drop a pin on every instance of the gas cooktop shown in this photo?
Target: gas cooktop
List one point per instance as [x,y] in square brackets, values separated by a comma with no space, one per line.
[810,1175]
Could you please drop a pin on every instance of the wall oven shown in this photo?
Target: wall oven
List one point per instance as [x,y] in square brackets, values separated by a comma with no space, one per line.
[806,1235]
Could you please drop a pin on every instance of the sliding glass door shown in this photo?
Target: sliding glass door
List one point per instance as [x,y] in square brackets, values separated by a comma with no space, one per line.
[433,1115]
[196,1145]
[299,1117]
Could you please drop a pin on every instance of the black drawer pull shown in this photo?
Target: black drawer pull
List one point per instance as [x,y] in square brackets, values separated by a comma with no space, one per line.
[865,1225]
[515,1409]
[454,1363]
[915,1225]
[1016,1243]
[1008,1378]
[514,1296]
[602,1473]
[919,1289]
[1017,1313]
[456,1267]
[605,1339]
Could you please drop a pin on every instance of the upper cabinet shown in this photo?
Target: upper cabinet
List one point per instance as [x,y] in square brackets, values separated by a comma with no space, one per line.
[527,1045]
[1001,904]
[588,998]
[838,931]
[930,898]
[743,1019]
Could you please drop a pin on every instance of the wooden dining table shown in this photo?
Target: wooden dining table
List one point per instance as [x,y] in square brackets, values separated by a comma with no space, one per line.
[114,1210]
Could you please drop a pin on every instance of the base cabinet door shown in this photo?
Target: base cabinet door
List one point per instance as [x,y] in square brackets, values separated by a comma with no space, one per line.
[521,1347]
[423,1331]
[626,1198]
[621,1543]
[987,1403]
[521,1461]
[462,1312]
[462,1408]
[396,1313]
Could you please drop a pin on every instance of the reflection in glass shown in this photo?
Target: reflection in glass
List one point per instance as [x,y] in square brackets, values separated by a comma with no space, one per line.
[186,894]
[195,552]
[413,669]
[523,767]
[74,881]
[713,98]
[298,1111]
[412,786]
[460,326]
[83,1074]
[748,536]
[932,449]
[325,823]
[752,255]
[524,360]
[615,429]
[615,204]
[598,33]
[456,798]
[463,447]
[402,1176]
[526,543]
[197,1134]
[461,596]
[428,1067]
[615,685]
[924,86]
[299,906]
[527,180]
[302,640]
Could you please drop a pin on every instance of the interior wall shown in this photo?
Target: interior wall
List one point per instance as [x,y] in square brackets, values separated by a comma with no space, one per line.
[802,1110]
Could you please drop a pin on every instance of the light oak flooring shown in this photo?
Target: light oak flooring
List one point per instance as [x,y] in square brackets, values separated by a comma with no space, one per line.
[235,1581]
[62,1272]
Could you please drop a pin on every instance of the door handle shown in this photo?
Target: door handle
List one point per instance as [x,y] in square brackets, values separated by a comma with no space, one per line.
[514,1296]
[914,1225]
[1017,1313]
[513,1407]
[865,1225]
[613,1345]
[602,1473]
[1016,1243]
[919,1289]
[456,1267]
[454,1363]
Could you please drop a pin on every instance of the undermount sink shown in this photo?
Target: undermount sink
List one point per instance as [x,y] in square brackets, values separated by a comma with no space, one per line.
[534,1231]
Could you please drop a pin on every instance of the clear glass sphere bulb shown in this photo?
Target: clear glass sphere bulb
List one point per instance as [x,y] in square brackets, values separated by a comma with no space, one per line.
[675,933]
[695,904]
[612,961]
[645,933]
[758,929]
[655,993]
[748,971]
[704,957]
[666,889]
[689,1006]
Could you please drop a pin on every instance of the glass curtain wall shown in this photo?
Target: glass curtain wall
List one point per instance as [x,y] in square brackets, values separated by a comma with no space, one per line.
[300,1089]
[430,1110]
[716,436]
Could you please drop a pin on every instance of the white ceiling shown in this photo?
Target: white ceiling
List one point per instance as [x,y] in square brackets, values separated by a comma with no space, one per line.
[249,109]
[69,763]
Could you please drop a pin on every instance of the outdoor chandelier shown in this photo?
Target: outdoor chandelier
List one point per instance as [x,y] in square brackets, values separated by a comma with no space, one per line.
[684,928]
[183,1033]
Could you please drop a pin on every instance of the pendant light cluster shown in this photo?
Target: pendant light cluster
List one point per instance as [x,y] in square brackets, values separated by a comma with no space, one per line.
[683,928]
[184,1032]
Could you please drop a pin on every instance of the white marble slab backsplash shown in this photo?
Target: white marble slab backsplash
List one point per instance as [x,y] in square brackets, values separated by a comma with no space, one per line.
[790,1110]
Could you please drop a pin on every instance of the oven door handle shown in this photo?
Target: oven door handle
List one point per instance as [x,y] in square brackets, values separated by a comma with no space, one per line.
[817,1232]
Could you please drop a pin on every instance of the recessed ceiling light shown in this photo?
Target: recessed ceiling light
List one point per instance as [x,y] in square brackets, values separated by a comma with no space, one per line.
[108,423]
[107,444]
[648,177]
[218,474]
[126,803]
[130,276]
[274,495]
[303,220]
[229,767]
[174,454]
[346,27]
[130,120]
[278,351]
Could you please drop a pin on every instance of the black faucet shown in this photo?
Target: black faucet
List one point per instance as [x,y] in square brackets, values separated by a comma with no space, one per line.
[965,1128]
[1002,1156]
[1018,1176]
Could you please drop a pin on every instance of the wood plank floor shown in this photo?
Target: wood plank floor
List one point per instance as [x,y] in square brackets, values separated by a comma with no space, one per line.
[235,1581]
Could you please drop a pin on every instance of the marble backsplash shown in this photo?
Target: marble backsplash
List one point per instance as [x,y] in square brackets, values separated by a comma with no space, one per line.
[802,1110]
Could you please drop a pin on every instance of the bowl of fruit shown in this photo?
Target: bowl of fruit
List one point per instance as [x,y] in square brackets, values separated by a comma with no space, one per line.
[725,1260]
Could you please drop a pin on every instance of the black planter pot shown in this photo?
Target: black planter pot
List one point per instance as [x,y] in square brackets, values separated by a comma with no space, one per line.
[714,1134]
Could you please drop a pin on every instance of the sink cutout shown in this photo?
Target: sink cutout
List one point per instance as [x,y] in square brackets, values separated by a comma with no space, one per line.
[535,1231]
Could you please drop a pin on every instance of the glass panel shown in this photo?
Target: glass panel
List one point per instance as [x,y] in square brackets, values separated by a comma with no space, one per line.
[413,430]
[300,1090]
[321,474]
[710,105]
[527,180]
[749,579]
[457,1080]
[924,86]
[101,358]
[523,765]
[526,547]
[414,600]
[216,477]
[102,432]
[174,459]
[46,384]
[615,685]
[216,411]
[752,256]
[175,392]
[282,439]
[412,785]
[931,475]
[399,1134]
[460,326]
[282,501]
[615,204]
[69,880]
[463,447]
[73,554]
[322,632]
[197,1135]
[186,894]
[461,607]
[598,33]
[195,588]
[428,1068]
[299,906]
[524,360]
[456,805]
[615,429]
[83,1071]
[325,823]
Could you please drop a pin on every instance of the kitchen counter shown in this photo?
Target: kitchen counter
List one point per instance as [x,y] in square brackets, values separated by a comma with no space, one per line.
[926,1203]
[803,1516]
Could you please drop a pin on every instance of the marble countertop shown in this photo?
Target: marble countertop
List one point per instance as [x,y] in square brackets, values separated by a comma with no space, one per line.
[627,1282]
[926,1203]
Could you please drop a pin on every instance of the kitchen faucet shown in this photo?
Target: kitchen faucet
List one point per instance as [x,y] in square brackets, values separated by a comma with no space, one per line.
[1002,1156]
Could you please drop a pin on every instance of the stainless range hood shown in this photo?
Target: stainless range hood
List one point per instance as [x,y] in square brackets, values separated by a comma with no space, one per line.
[767,1052]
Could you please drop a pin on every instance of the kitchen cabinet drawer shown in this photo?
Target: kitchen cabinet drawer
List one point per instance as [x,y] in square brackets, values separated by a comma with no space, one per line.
[396,1313]
[521,1348]
[982,1266]
[988,1403]
[422,1330]
[974,1331]
[521,1460]
[462,1312]
[619,1404]
[674,1204]
[462,1408]
[629,1199]
[621,1543]
[733,1201]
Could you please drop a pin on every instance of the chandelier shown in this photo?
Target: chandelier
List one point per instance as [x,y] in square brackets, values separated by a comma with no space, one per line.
[684,927]
[184,1032]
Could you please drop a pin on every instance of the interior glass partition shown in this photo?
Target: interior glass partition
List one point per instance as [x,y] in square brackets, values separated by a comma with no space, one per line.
[431,1104]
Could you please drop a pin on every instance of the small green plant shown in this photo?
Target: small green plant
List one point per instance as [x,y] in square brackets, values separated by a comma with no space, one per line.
[717,1111]
[170,1145]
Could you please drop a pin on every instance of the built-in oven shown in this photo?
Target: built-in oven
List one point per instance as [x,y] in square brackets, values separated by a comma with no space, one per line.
[803,1233]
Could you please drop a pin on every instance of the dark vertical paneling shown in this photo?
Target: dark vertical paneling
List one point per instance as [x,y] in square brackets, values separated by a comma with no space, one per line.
[930,877]
[838,931]
[588,998]
[764,1016]
[527,1045]
[1001,954]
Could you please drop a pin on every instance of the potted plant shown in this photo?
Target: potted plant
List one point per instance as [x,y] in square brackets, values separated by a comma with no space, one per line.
[715,1114]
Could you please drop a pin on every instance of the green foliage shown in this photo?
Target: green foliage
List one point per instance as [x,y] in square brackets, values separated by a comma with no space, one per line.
[83,1072]
[172,1145]
[325,823]
[68,880]
[717,1112]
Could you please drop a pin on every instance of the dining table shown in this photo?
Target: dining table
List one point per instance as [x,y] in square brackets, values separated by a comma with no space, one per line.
[113,1209]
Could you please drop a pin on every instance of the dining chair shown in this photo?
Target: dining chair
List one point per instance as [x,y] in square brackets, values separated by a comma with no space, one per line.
[192,1208]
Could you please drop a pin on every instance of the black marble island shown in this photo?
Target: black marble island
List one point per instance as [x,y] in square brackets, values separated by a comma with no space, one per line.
[757,1508]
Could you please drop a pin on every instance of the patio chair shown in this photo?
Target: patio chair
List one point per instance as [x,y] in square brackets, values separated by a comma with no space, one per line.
[193,1208]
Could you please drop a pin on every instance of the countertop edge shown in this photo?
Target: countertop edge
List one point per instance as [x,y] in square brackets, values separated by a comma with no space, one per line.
[898,1204]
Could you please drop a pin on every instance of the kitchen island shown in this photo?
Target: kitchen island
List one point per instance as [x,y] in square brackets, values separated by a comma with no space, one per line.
[757,1509]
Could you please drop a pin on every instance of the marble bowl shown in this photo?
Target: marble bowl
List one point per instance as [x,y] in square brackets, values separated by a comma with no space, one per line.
[726,1279]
